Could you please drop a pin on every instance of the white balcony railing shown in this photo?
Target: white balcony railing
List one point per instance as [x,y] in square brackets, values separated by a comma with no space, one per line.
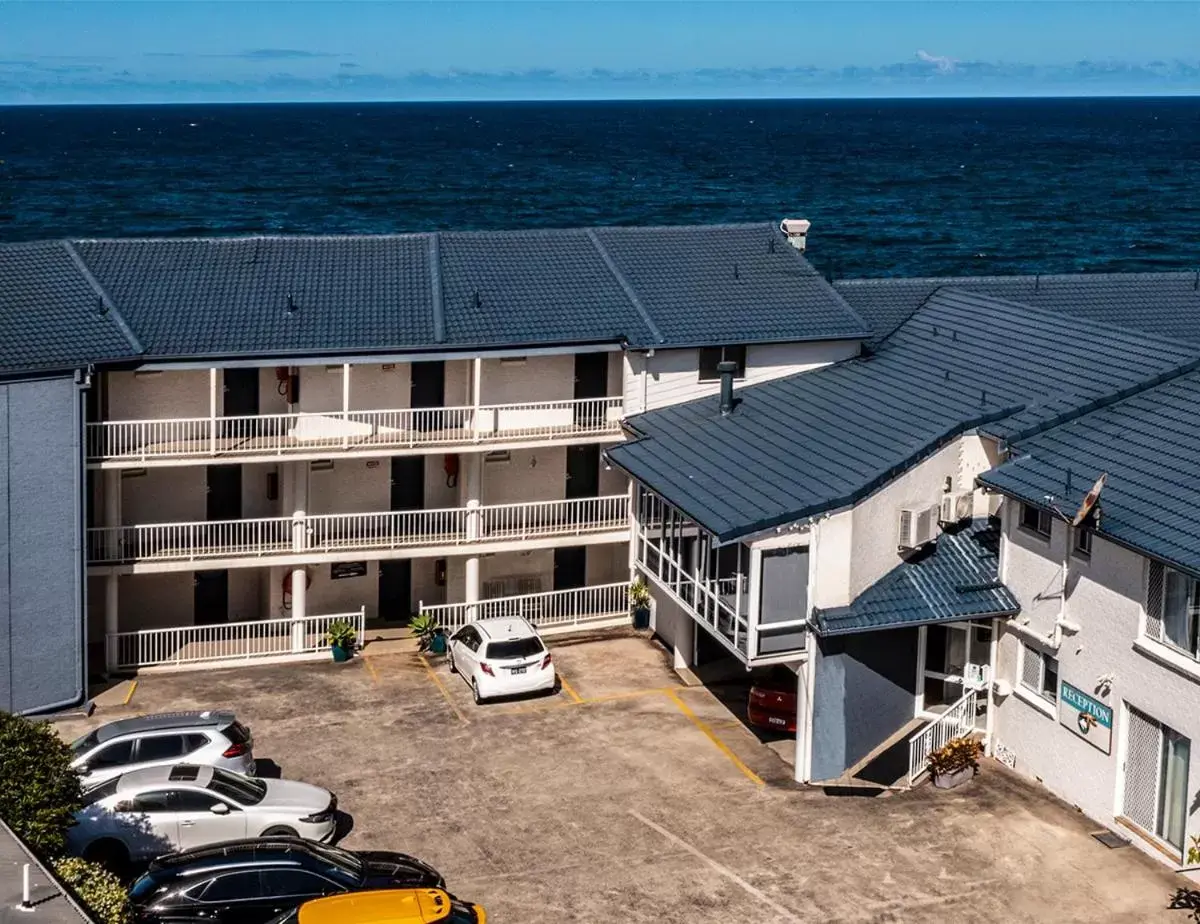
[553,609]
[231,641]
[335,532]
[333,431]
[955,722]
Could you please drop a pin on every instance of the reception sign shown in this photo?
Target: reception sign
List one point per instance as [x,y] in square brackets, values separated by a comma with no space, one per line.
[1087,717]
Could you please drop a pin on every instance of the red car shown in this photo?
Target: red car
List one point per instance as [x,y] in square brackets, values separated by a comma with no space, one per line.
[773,701]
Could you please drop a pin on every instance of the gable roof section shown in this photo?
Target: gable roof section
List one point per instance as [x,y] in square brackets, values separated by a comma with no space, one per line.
[1161,304]
[957,577]
[1148,444]
[199,298]
[821,440]
[52,316]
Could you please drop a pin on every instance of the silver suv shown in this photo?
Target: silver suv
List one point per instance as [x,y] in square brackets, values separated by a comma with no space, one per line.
[213,738]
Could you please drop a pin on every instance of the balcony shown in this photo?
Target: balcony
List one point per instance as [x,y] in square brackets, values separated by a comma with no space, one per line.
[553,611]
[129,443]
[301,538]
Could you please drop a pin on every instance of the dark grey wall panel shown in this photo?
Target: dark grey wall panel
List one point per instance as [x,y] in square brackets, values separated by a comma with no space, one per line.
[41,559]
[865,690]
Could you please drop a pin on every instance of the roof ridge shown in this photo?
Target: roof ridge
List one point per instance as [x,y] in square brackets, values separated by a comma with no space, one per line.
[438,294]
[110,307]
[624,284]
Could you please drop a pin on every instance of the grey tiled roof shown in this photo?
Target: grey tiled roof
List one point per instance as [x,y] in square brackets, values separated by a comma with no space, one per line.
[275,296]
[956,578]
[50,313]
[823,439]
[1162,304]
[1148,444]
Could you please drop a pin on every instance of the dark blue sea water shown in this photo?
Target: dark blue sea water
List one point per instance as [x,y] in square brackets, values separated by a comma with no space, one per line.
[892,187]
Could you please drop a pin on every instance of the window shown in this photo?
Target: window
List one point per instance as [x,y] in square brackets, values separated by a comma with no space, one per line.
[1035,520]
[192,800]
[1039,673]
[233,887]
[152,802]
[1156,778]
[294,882]
[115,755]
[240,789]
[103,791]
[710,356]
[162,747]
[516,648]
[1082,536]
[1173,609]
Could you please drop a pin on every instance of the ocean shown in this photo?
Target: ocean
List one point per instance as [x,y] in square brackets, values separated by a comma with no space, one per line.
[892,187]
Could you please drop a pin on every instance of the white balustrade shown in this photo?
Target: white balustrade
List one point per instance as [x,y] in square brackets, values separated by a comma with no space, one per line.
[231,641]
[281,434]
[955,722]
[555,608]
[334,532]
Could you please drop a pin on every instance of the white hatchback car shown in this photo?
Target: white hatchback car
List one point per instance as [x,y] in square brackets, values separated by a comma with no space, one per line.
[144,814]
[501,657]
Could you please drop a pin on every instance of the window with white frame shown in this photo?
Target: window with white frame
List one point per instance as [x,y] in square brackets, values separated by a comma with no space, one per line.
[710,356]
[1173,609]
[1036,520]
[1081,541]
[1039,673]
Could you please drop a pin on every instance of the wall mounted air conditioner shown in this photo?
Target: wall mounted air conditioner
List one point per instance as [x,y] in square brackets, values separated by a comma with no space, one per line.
[918,526]
[956,507]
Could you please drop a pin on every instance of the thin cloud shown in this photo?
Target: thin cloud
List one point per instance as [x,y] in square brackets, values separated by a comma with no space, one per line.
[279,54]
[941,62]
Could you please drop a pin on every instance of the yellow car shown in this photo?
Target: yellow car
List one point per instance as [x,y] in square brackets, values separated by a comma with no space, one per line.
[388,906]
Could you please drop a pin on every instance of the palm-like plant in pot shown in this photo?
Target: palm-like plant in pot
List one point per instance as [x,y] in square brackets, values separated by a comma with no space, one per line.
[639,603]
[341,638]
[429,634]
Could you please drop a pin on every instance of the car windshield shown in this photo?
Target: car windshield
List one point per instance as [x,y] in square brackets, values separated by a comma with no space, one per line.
[144,887]
[515,648]
[103,791]
[240,789]
[86,743]
[343,860]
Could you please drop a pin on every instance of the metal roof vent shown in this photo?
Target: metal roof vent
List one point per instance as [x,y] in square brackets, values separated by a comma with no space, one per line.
[796,231]
[727,370]
[291,303]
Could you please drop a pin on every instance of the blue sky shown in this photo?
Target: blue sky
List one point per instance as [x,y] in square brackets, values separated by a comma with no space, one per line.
[200,50]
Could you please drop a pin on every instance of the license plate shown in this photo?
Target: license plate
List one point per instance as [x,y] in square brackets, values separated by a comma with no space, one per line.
[776,720]
[517,670]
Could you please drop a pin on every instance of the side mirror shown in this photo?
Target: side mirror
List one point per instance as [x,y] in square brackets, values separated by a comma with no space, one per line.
[219,808]
[84,769]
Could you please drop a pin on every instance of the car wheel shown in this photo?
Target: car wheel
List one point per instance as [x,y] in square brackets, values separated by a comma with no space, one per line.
[280,831]
[110,854]
[450,662]
[475,692]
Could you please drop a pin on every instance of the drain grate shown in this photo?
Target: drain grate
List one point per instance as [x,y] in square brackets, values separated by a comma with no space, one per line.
[1111,839]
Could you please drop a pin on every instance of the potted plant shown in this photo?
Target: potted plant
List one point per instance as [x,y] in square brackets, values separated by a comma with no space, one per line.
[429,634]
[341,638]
[955,762]
[639,603]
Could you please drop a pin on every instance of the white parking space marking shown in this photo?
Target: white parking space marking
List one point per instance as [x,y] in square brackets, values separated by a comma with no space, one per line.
[783,913]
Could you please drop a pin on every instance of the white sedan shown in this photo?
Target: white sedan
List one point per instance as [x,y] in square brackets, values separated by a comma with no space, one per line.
[144,814]
[501,657]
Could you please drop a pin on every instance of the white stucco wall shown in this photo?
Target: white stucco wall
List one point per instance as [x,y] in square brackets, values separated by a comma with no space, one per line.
[529,475]
[156,601]
[158,395]
[165,495]
[1105,597]
[673,376]
[533,378]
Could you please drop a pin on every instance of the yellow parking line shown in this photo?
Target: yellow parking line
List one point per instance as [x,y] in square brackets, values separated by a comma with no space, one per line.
[721,745]
[569,689]
[371,669]
[591,701]
[441,686]
[129,695]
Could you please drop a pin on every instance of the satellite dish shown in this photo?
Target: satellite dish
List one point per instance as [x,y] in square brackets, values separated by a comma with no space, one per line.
[1089,500]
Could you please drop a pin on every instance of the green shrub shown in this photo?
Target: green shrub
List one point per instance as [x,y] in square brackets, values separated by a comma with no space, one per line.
[98,889]
[39,792]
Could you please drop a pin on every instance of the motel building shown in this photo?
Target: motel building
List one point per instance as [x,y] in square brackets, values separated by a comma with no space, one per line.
[214,448]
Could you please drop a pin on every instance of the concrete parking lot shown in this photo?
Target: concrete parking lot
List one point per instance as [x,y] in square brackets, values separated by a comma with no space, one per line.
[627,797]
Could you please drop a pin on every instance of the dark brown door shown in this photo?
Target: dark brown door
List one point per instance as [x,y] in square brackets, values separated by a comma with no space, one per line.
[591,381]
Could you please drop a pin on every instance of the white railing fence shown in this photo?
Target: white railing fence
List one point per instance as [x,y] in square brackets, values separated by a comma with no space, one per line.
[335,532]
[279,434]
[955,722]
[230,641]
[553,608]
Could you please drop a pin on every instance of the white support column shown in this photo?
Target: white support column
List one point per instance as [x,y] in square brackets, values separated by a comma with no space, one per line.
[299,544]
[684,647]
[989,698]
[476,391]
[472,473]
[800,771]
[213,392]
[112,620]
[922,641]
[345,405]
[754,604]
[112,599]
[299,606]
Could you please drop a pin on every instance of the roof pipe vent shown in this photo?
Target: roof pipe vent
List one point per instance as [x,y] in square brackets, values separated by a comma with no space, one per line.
[727,370]
[796,231]
[291,303]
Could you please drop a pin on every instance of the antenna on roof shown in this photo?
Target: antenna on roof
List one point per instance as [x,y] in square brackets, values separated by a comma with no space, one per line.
[1037,281]
[101,306]
[475,298]
[291,302]
[1196,280]
[982,398]
[771,244]
[735,272]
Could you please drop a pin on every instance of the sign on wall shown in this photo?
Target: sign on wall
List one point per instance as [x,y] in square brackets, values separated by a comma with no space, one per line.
[1089,718]
[347,569]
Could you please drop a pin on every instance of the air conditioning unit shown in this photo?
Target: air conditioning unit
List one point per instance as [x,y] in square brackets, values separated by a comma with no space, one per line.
[956,507]
[918,526]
